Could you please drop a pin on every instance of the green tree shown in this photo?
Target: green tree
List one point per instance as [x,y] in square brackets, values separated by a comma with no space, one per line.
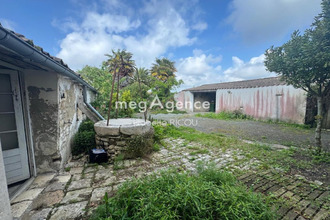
[304,62]
[121,62]
[164,79]
[163,69]
[121,65]
[140,92]
[100,79]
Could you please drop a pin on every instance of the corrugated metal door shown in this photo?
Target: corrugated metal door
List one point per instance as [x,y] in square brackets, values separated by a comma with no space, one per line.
[12,134]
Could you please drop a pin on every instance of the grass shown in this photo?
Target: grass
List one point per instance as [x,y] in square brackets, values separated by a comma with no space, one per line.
[266,156]
[288,124]
[210,194]
[164,111]
[225,115]
[118,162]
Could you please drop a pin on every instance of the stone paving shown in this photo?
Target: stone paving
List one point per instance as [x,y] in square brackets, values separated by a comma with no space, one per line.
[74,193]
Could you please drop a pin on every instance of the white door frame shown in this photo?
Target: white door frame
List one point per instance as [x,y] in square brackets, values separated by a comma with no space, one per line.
[5,208]
[20,152]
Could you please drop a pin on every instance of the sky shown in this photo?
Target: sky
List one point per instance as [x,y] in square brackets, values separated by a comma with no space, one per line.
[210,41]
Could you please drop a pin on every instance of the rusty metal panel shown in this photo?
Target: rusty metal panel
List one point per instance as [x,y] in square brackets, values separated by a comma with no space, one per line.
[281,102]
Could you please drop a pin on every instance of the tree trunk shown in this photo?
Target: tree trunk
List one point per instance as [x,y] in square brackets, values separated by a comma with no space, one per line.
[111,94]
[318,117]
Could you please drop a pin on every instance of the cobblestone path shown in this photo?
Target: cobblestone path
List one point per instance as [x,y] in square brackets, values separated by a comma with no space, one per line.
[74,193]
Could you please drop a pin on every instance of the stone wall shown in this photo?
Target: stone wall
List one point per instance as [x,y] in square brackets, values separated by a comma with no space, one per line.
[55,117]
[70,116]
[133,140]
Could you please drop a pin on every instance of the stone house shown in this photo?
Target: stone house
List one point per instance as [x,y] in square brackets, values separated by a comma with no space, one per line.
[267,98]
[42,103]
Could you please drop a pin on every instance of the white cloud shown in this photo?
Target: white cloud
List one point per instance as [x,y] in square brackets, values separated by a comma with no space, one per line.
[163,28]
[8,24]
[200,26]
[264,20]
[199,69]
[252,69]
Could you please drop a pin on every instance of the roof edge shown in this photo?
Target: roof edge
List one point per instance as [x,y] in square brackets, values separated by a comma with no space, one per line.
[233,83]
[11,41]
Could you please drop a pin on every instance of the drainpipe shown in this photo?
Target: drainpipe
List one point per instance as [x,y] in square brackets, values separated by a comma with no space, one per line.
[15,44]
[89,105]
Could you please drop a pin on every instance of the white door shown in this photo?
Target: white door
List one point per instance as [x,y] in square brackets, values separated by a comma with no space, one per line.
[12,134]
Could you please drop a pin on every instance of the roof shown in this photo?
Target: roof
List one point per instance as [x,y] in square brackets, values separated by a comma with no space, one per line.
[33,62]
[271,81]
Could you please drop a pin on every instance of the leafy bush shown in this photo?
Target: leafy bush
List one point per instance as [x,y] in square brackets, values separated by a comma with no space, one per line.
[211,194]
[84,140]
[158,132]
[86,125]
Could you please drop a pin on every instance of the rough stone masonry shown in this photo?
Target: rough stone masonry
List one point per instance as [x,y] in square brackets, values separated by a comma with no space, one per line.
[127,136]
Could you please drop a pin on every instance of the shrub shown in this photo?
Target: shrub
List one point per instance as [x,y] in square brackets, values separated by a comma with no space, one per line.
[172,195]
[158,132]
[86,125]
[83,142]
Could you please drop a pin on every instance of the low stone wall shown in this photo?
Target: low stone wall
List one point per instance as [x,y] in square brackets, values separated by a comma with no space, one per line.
[128,137]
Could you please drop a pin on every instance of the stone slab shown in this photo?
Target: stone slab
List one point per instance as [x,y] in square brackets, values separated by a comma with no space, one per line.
[77,196]
[76,170]
[42,180]
[58,183]
[47,199]
[104,178]
[30,194]
[67,212]
[37,214]
[128,126]
[102,129]
[138,127]
[19,208]
[98,194]
[79,184]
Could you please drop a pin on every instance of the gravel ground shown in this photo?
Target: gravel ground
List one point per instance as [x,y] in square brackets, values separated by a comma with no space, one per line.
[248,129]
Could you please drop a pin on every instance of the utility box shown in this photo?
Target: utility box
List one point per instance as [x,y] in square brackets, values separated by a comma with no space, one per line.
[98,156]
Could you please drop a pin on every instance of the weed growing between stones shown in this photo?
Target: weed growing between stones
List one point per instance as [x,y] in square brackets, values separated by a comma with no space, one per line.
[209,194]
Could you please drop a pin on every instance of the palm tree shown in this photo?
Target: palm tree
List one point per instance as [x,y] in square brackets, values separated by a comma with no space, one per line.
[163,69]
[120,65]
[144,75]
[121,62]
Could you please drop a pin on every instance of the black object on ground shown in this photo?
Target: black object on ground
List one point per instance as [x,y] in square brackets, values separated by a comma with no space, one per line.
[98,156]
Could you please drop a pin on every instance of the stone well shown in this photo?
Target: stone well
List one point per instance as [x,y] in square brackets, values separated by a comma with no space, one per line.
[126,136]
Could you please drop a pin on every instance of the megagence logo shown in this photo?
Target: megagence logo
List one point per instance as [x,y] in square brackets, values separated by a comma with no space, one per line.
[156,103]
